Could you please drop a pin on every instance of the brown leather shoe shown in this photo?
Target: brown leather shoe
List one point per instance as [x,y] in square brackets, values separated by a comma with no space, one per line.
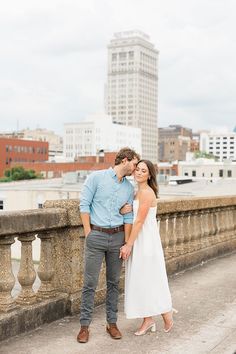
[113,330]
[83,335]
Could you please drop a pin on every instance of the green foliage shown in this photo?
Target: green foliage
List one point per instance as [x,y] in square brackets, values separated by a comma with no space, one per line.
[5,179]
[205,155]
[7,173]
[19,173]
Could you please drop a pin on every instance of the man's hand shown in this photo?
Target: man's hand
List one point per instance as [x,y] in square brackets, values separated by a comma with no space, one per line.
[86,232]
[127,208]
[125,251]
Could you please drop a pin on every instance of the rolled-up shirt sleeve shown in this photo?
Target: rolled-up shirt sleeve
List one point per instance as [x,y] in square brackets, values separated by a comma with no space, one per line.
[129,217]
[87,193]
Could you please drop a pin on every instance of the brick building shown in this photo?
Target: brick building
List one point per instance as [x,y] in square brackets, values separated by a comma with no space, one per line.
[18,151]
[83,164]
[174,142]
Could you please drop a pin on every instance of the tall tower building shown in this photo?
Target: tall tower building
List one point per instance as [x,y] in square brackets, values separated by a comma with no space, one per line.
[131,92]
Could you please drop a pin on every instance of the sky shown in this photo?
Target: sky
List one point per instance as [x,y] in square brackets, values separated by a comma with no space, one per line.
[53,61]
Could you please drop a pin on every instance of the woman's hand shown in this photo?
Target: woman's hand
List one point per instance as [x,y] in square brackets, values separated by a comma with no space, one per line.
[125,251]
[127,208]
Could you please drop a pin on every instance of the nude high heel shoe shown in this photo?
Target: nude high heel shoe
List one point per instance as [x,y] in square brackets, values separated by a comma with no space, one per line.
[152,328]
[172,323]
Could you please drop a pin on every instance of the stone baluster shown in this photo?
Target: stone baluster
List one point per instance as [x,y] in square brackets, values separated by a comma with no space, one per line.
[214,226]
[187,232]
[163,223]
[46,266]
[211,227]
[180,234]
[27,274]
[234,217]
[232,225]
[229,226]
[224,220]
[196,237]
[192,232]
[222,223]
[172,235]
[205,228]
[212,222]
[218,225]
[201,229]
[7,279]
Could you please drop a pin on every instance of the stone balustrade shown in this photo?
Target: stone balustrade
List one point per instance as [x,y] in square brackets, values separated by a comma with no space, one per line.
[192,231]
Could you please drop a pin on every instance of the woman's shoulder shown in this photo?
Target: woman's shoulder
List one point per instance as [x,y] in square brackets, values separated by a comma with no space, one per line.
[146,193]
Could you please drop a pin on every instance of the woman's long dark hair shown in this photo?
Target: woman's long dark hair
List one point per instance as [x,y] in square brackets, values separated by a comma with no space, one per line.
[152,181]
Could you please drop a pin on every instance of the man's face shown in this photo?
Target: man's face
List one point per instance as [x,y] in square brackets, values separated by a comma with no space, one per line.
[130,166]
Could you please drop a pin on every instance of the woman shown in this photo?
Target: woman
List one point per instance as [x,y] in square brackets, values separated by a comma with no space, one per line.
[146,285]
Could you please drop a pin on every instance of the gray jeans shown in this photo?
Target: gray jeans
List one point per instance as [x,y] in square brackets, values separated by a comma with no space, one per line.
[97,246]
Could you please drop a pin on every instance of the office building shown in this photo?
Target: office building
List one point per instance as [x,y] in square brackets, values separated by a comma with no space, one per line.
[222,145]
[131,96]
[96,135]
[174,142]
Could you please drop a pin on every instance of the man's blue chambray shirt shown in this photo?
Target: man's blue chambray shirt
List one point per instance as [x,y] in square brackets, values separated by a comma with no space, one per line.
[102,197]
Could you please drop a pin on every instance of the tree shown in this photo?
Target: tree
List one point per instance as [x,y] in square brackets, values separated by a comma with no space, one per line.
[19,173]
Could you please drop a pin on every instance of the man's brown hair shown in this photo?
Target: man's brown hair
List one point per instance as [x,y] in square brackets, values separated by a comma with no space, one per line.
[126,153]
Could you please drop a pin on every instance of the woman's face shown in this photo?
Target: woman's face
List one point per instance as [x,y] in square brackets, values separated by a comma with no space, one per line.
[141,173]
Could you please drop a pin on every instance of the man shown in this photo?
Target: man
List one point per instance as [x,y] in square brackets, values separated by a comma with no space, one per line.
[103,194]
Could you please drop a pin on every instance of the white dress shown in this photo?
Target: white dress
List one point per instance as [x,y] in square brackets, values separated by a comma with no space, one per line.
[146,285]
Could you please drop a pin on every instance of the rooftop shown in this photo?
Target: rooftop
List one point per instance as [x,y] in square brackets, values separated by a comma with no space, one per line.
[200,188]
[206,322]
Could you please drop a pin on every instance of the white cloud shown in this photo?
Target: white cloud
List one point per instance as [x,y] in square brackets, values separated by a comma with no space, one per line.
[53,59]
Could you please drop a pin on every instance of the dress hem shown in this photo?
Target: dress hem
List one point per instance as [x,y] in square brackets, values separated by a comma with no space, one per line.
[130,317]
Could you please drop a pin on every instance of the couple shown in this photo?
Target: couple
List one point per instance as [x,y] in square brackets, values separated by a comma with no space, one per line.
[112,233]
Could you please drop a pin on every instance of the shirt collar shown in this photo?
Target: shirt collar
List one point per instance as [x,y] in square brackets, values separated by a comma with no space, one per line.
[113,174]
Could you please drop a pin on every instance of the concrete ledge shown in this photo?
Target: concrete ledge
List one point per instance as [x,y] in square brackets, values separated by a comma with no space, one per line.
[30,317]
[194,203]
[32,220]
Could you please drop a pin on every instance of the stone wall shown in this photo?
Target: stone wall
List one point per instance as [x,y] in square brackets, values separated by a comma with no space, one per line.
[192,231]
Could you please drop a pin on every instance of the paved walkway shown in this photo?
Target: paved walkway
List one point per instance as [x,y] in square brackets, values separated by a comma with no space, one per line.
[206,323]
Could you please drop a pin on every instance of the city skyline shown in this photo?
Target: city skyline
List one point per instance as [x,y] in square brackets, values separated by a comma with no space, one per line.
[54,60]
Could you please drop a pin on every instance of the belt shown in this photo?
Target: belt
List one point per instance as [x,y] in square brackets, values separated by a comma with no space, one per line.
[111,230]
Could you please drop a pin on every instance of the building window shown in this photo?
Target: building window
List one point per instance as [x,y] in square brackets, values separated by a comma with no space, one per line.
[1,205]
[131,55]
[193,173]
[122,56]
[229,173]
[40,205]
[220,173]
[186,173]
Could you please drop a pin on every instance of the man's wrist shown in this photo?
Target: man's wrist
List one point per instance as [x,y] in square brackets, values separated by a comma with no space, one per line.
[87,232]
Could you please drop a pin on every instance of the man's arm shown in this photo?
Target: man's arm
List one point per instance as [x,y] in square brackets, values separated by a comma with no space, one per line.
[85,217]
[86,199]
[128,228]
